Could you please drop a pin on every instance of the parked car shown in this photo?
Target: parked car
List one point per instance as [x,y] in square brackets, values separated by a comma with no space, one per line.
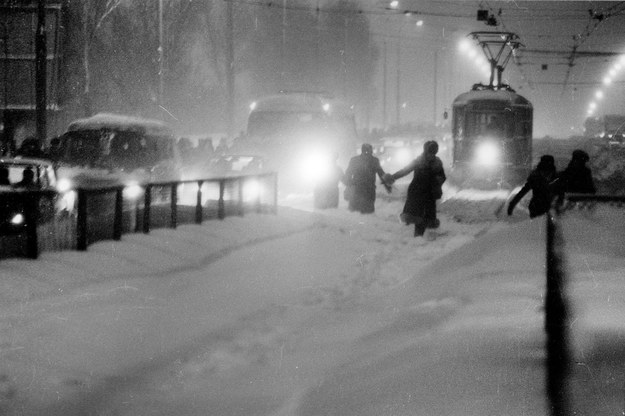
[18,178]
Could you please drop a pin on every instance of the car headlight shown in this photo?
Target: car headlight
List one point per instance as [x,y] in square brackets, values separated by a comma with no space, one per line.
[64,185]
[132,191]
[315,167]
[252,190]
[403,156]
[487,154]
[17,219]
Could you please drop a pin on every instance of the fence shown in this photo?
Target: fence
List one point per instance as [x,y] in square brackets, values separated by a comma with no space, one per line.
[107,212]
[584,239]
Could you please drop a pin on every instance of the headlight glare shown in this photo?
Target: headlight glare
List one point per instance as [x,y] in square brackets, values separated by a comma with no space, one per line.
[17,219]
[487,154]
[132,191]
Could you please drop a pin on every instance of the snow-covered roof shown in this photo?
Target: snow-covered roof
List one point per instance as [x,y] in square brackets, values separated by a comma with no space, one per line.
[121,122]
[493,95]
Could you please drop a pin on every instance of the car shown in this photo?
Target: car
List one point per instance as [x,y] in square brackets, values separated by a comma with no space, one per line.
[117,149]
[18,178]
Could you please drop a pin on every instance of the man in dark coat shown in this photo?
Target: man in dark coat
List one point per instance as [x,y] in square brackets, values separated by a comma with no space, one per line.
[540,182]
[576,178]
[424,190]
[360,180]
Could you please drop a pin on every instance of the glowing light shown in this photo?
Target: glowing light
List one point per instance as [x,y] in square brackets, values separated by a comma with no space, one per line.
[253,106]
[419,23]
[592,105]
[18,219]
[132,190]
[464,45]
[471,53]
[326,107]
[487,154]
[607,81]
[394,4]
[64,185]
[612,72]
[599,94]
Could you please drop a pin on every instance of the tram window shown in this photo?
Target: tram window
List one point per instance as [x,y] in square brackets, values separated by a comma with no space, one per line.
[488,124]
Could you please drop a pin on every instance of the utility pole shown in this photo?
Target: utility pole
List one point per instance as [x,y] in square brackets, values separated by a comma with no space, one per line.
[160,57]
[398,83]
[435,85]
[230,70]
[40,72]
[384,89]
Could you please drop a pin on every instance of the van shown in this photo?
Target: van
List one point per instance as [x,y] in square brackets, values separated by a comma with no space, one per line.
[117,149]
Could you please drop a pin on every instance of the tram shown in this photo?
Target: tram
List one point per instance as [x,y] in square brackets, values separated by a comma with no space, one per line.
[492,125]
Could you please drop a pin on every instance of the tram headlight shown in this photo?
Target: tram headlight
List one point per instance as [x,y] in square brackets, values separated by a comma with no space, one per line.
[487,154]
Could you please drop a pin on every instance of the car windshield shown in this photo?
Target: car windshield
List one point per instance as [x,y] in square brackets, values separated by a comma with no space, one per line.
[124,149]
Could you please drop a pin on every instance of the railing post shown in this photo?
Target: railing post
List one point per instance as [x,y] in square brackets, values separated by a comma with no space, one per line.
[81,221]
[241,181]
[198,204]
[555,323]
[258,205]
[147,204]
[221,211]
[31,211]
[117,222]
[174,204]
[275,192]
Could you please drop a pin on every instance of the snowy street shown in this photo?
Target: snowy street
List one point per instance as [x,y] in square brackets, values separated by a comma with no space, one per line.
[301,313]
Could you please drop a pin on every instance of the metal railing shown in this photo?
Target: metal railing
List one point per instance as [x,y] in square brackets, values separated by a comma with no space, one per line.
[105,213]
[557,309]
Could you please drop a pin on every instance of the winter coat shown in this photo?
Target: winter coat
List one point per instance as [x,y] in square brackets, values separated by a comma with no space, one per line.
[424,190]
[360,178]
[576,179]
[540,183]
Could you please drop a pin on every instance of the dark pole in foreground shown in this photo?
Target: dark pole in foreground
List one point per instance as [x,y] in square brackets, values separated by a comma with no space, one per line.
[555,324]
[40,72]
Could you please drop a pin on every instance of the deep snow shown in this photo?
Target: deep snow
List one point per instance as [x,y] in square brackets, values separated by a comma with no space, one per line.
[313,313]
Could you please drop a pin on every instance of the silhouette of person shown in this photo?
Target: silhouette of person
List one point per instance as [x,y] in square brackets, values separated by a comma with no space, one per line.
[540,182]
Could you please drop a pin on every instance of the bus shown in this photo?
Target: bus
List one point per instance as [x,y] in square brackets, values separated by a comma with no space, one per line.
[298,134]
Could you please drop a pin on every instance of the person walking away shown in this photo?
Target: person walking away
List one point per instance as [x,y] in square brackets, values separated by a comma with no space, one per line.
[540,182]
[326,192]
[360,180]
[424,190]
[576,178]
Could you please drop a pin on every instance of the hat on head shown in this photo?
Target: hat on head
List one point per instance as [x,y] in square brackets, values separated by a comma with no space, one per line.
[366,149]
[431,147]
[580,155]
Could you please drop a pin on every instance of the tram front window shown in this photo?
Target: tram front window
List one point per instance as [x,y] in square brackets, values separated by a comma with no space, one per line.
[493,125]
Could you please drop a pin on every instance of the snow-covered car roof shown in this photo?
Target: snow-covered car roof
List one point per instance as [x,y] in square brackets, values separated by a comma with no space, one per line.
[18,160]
[121,122]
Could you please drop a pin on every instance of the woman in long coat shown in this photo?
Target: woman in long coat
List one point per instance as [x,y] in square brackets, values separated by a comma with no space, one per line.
[424,190]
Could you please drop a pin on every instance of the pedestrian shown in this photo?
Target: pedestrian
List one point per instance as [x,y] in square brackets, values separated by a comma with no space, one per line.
[424,190]
[576,178]
[360,180]
[540,182]
[28,179]
[4,176]
[326,192]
